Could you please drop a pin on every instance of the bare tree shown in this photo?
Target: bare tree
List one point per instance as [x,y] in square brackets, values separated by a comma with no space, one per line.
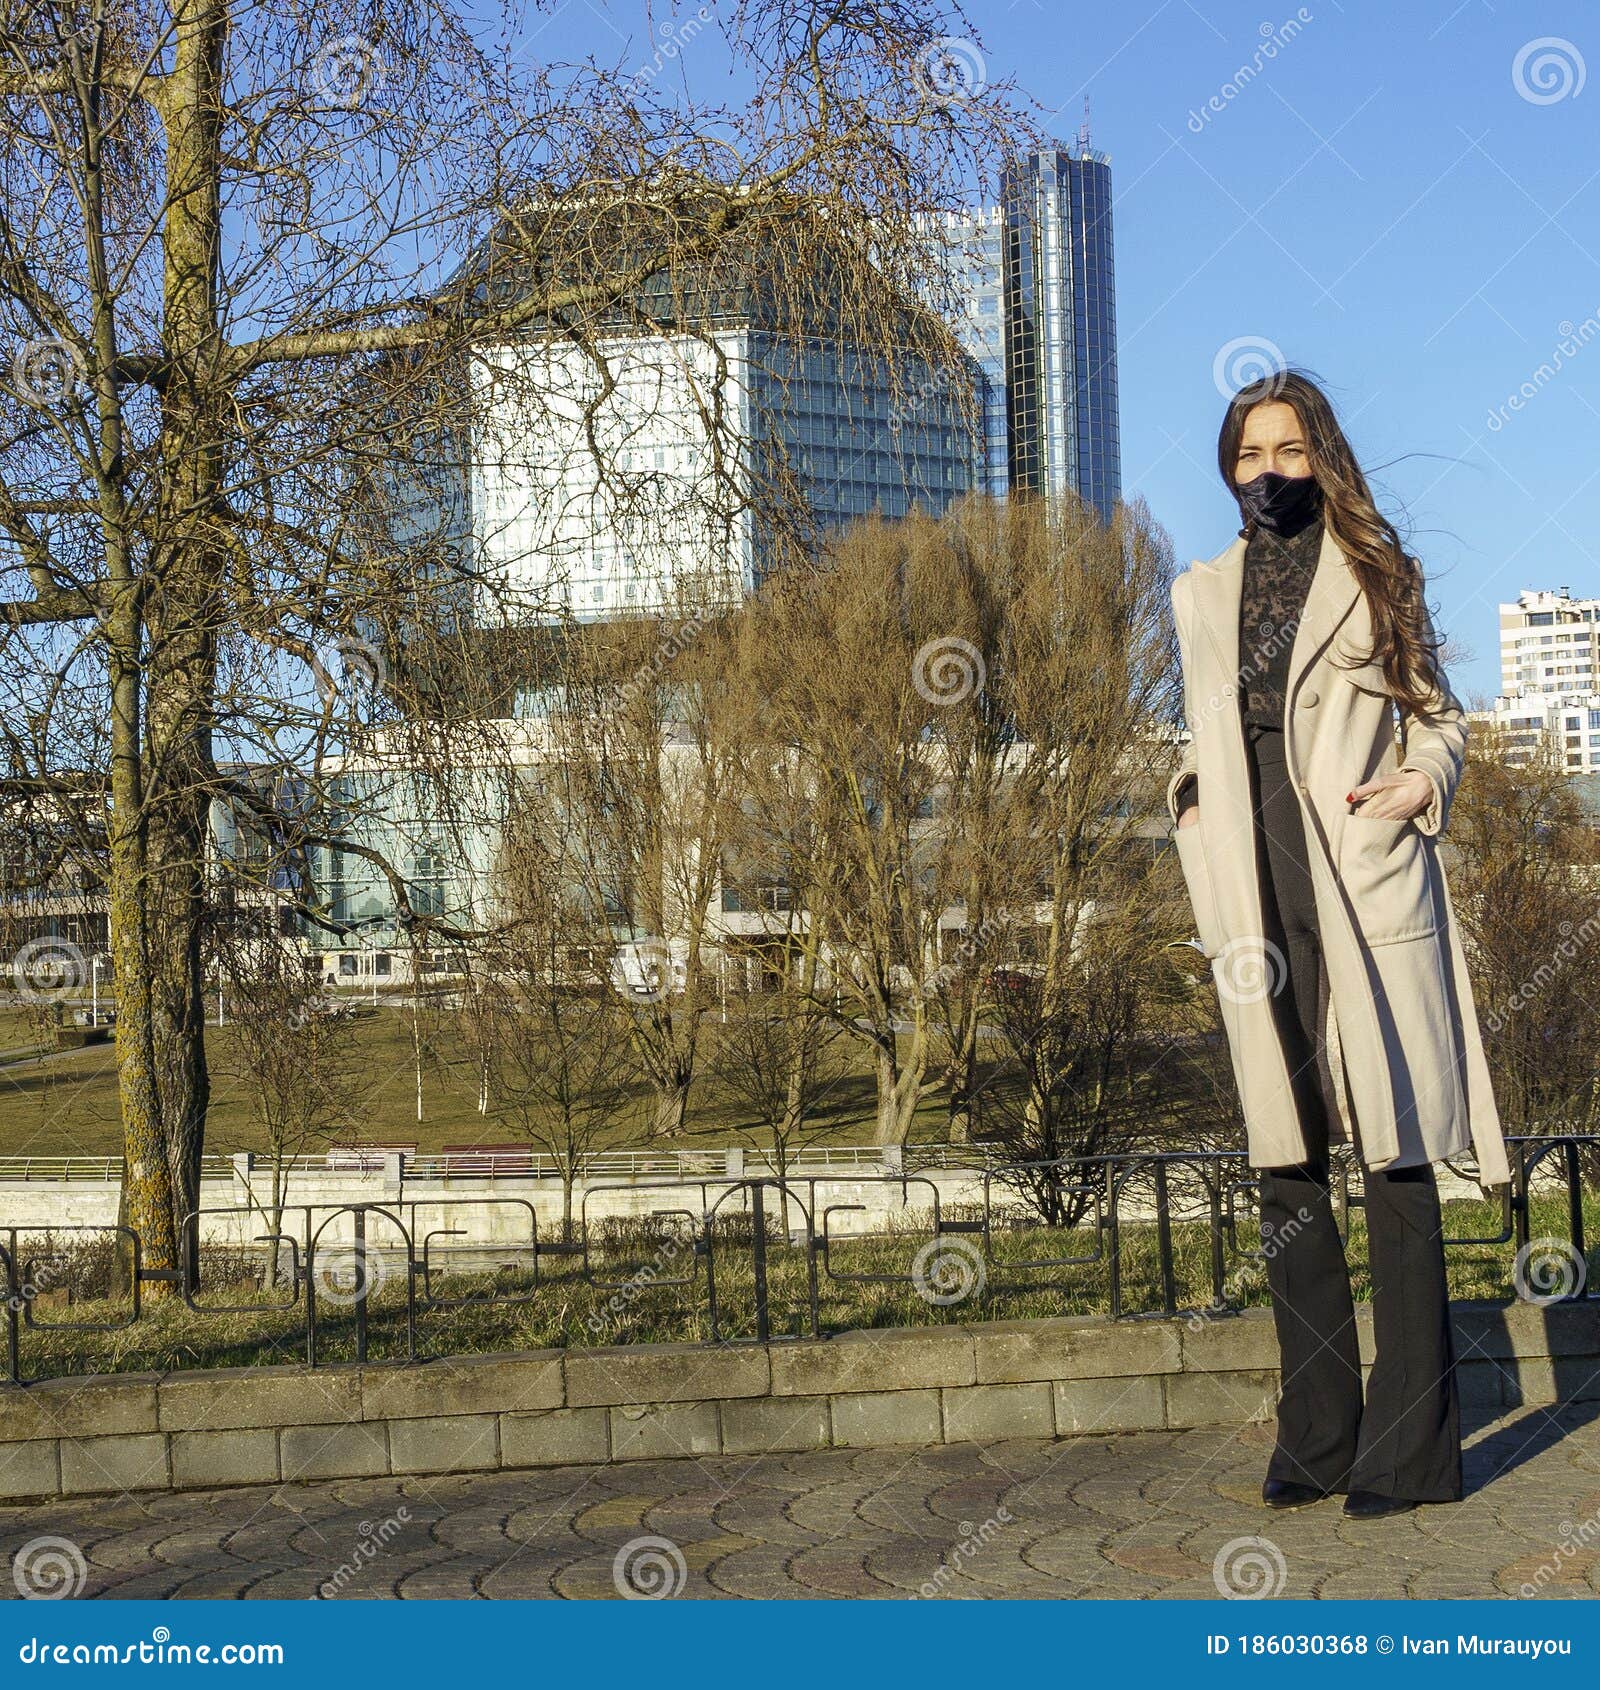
[777,1056]
[293,1053]
[1524,866]
[550,1029]
[247,261]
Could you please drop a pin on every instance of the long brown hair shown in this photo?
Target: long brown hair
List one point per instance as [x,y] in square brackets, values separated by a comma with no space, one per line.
[1391,580]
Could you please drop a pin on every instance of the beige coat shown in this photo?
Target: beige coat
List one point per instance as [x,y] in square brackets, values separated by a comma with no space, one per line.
[1400,1007]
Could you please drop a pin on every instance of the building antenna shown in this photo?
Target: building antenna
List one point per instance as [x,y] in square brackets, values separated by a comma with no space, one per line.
[1083,131]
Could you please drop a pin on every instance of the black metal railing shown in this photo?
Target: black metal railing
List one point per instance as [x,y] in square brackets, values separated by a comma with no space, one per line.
[715,1243]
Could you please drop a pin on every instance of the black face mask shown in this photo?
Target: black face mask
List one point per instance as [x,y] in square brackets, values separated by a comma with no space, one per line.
[1282,504]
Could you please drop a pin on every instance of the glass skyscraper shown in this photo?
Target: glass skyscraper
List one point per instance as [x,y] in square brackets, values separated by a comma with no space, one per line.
[1039,316]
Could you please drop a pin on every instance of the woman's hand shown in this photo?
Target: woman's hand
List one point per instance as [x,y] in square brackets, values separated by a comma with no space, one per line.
[1188,817]
[1393,798]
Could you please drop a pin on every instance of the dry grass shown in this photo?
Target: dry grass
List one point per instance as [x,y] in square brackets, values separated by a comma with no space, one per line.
[67,1106]
[631,1305]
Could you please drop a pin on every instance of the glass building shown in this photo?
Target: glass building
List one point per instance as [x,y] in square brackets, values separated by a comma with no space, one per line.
[1039,316]
[816,426]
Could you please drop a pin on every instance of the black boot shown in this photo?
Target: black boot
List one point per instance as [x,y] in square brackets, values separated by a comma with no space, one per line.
[1285,1493]
[1370,1505]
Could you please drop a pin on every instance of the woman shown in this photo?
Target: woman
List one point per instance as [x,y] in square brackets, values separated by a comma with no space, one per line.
[1308,841]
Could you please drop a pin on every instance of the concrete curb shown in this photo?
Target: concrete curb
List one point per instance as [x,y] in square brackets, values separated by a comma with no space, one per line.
[117,1433]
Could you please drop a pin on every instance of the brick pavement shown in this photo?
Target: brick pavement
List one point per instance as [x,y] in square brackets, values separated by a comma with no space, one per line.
[1149,1514]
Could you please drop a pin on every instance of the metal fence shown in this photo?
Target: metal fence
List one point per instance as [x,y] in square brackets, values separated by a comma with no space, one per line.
[503,1162]
[706,1234]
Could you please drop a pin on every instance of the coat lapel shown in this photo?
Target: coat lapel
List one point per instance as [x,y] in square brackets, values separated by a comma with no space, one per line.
[1333,593]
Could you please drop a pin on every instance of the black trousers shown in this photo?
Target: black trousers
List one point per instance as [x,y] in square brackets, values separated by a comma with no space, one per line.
[1405,1439]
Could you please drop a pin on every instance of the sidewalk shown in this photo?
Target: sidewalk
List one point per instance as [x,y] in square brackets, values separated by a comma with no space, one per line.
[1150,1514]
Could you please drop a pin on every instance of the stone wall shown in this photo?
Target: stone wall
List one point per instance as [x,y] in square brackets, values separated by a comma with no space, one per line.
[923,1385]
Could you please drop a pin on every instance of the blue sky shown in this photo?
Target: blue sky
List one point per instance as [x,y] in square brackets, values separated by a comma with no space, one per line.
[1404,199]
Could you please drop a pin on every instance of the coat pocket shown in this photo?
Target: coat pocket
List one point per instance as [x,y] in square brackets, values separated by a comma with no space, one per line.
[1192,859]
[1385,868]
[1366,677]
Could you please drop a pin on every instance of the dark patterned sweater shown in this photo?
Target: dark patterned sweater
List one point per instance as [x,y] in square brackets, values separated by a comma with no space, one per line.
[1277,577]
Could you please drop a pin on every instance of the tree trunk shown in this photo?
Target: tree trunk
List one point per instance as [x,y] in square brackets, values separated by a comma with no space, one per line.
[158,842]
[671,1111]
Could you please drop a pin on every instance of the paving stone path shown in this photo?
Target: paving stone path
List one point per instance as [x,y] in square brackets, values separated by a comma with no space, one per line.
[1149,1514]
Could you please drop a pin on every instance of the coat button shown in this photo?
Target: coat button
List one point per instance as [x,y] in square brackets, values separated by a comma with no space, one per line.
[1309,696]
[1304,788]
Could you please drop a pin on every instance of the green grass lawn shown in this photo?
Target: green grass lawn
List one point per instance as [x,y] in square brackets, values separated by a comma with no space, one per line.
[561,1307]
[67,1106]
